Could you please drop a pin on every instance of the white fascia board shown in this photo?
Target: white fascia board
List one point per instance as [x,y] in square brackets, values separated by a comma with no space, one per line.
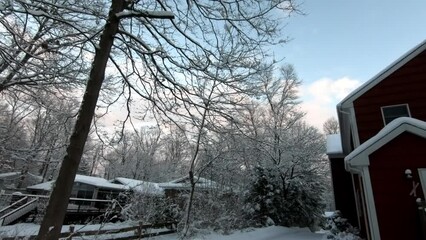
[354,127]
[344,116]
[348,100]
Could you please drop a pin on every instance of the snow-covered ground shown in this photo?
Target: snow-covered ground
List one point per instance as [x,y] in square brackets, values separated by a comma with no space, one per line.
[268,233]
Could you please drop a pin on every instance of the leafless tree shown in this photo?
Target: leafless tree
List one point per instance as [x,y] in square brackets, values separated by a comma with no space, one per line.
[279,142]
[43,45]
[160,60]
[36,133]
[173,154]
[135,156]
[13,135]
[331,126]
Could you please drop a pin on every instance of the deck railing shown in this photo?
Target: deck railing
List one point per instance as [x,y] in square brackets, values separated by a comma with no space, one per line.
[15,211]
[13,206]
[133,232]
[76,206]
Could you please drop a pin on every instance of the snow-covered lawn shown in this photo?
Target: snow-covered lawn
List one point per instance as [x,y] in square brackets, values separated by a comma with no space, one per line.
[268,233]
[28,229]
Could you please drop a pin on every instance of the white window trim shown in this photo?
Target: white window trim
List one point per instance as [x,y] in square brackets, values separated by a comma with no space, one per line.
[396,105]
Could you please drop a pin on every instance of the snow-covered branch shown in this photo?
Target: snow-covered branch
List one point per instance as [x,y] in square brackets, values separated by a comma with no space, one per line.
[145,14]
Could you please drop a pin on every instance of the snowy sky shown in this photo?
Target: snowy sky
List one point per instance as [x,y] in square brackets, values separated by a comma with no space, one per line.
[339,44]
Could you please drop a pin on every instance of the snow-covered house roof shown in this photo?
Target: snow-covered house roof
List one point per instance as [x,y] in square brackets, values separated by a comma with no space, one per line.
[139,186]
[345,106]
[99,182]
[9,174]
[334,145]
[94,181]
[359,157]
[18,174]
[184,183]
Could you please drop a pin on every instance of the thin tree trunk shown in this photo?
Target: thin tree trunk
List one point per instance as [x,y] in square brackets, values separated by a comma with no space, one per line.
[95,160]
[190,202]
[50,228]
[192,167]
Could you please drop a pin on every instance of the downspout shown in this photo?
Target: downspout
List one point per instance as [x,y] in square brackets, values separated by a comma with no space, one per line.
[371,214]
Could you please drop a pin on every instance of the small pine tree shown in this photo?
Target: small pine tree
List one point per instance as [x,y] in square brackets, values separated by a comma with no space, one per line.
[264,199]
[293,202]
[304,204]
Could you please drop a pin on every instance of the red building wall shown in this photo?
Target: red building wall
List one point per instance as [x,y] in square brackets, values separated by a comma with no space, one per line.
[344,198]
[396,209]
[405,85]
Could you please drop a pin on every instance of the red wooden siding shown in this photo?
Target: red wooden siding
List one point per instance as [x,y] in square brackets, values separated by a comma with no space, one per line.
[405,85]
[396,209]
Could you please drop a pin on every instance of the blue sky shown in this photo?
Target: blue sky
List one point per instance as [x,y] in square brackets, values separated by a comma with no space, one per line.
[339,44]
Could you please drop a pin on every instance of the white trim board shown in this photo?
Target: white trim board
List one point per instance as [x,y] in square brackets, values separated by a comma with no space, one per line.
[359,157]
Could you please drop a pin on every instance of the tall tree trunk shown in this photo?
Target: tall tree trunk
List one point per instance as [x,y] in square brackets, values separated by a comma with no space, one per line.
[95,160]
[50,228]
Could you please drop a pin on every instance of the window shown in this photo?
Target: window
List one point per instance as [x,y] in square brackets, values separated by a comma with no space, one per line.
[82,190]
[395,111]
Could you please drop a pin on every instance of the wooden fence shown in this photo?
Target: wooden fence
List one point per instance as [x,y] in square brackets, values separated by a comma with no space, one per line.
[137,232]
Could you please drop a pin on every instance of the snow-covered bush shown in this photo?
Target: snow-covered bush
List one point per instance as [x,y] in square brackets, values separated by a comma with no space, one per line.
[41,209]
[276,200]
[219,211]
[4,200]
[340,228]
[151,209]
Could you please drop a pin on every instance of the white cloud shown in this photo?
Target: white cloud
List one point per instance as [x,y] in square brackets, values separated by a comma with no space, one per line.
[321,97]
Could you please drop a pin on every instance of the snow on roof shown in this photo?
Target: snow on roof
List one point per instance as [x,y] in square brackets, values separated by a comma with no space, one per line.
[9,174]
[17,174]
[94,181]
[140,186]
[199,180]
[334,144]
[98,182]
[360,155]
[47,186]
[146,13]
[184,183]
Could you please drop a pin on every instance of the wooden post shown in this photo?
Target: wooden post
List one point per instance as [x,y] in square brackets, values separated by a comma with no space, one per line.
[140,230]
[72,227]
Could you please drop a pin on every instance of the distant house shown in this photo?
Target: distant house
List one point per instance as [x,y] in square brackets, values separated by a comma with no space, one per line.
[9,180]
[378,161]
[183,184]
[85,187]
[139,186]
